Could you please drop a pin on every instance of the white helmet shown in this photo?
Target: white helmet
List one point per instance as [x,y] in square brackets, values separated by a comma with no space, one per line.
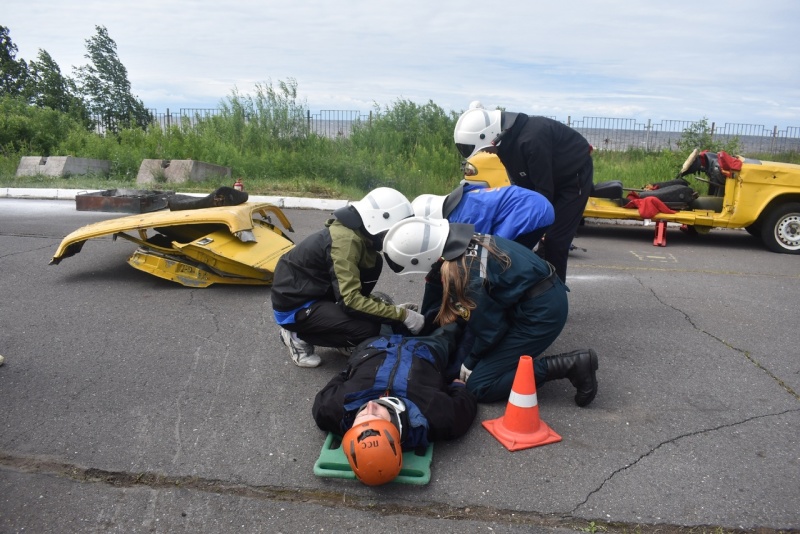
[436,206]
[381,208]
[416,244]
[429,206]
[476,129]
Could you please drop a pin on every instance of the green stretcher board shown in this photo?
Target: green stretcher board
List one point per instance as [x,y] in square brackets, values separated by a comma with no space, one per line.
[333,463]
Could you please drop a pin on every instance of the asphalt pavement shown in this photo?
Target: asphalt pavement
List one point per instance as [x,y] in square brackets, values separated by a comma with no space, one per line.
[130,403]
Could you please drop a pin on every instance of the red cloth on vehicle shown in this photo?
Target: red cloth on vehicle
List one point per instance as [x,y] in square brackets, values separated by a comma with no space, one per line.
[648,207]
[729,163]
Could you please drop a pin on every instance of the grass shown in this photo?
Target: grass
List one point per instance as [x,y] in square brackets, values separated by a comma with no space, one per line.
[264,141]
[634,168]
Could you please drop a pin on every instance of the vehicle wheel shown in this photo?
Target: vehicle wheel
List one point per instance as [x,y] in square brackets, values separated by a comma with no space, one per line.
[702,230]
[754,229]
[780,230]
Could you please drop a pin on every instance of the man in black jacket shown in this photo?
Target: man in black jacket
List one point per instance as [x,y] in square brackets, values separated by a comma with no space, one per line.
[539,154]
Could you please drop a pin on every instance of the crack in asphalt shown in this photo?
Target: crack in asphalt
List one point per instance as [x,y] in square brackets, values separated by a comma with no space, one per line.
[743,352]
[26,251]
[674,440]
[35,236]
[327,498]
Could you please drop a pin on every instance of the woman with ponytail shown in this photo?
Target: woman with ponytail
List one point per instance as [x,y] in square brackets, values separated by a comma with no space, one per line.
[512,301]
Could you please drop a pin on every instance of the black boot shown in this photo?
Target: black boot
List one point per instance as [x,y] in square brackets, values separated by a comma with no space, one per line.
[579,367]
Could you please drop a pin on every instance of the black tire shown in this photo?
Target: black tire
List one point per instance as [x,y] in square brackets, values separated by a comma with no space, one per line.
[754,229]
[780,230]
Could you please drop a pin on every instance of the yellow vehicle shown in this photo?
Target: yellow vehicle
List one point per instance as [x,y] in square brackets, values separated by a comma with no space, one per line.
[763,197]
[197,247]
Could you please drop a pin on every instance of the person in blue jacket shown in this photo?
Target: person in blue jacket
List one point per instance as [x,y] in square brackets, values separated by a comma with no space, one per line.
[512,212]
[512,301]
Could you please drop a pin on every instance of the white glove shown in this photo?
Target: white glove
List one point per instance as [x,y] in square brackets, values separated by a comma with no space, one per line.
[414,321]
[464,374]
[409,306]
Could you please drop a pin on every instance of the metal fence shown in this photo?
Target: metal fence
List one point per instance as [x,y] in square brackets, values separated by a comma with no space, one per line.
[623,134]
[602,132]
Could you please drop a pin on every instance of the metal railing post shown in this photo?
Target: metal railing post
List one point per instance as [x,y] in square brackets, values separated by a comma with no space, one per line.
[774,138]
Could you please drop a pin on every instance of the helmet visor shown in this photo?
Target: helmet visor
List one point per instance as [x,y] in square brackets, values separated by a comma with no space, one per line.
[392,265]
[465,150]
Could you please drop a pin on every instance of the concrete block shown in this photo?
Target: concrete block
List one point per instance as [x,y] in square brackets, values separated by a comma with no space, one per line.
[61,166]
[177,171]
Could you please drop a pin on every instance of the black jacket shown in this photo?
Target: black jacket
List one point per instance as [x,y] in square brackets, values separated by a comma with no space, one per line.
[436,409]
[329,265]
[541,153]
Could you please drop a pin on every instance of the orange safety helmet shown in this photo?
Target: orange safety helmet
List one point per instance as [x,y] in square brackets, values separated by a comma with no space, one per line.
[373,451]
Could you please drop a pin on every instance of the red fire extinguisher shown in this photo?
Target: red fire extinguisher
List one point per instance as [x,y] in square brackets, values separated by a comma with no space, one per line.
[238,185]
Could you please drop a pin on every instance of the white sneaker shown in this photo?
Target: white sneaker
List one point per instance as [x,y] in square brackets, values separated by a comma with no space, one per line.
[302,352]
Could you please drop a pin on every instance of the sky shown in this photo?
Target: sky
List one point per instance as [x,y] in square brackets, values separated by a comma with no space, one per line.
[728,61]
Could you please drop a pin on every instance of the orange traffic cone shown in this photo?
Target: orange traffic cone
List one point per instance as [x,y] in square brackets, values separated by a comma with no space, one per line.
[520,428]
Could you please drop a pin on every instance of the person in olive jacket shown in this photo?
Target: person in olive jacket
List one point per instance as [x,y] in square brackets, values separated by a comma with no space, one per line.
[322,288]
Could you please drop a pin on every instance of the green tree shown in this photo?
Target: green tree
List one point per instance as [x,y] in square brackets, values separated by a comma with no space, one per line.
[105,87]
[30,129]
[49,88]
[13,72]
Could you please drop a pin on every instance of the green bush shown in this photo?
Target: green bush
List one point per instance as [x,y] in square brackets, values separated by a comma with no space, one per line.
[37,131]
[699,135]
[264,139]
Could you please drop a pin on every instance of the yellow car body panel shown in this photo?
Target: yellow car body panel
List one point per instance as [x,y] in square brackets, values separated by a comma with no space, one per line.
[178,270]
[237,219]
[223,253]
[485,169]
[602,208]
[197,248]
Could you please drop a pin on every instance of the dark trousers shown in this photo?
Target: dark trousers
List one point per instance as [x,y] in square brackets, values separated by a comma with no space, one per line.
[530,239]
[569,202]
[326,323]
[535,325]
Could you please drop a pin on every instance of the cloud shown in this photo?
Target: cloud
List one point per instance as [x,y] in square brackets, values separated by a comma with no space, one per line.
[730,61]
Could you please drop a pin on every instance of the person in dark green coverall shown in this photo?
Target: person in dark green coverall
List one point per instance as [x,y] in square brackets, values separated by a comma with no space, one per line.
[511,300]
[322,288]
